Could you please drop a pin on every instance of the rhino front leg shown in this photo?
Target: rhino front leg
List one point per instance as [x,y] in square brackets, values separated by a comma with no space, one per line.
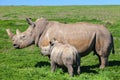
[53,66]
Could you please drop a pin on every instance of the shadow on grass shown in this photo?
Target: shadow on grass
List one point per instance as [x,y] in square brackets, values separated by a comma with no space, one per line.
[114,63]
[42,64]
[89,69]
[84,69]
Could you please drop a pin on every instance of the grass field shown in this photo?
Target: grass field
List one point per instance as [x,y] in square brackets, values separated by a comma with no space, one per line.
[29,64]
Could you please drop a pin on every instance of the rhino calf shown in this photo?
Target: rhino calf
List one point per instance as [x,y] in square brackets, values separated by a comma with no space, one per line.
[63,55]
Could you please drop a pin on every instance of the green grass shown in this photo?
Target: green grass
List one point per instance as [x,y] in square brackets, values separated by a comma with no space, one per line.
[29,64]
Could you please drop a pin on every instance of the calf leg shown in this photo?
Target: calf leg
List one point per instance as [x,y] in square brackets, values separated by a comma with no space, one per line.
[78,69]
[53,66]
[70,69]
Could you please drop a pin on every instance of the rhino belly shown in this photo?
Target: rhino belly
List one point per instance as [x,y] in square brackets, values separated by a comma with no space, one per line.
[84,45]
[83,48]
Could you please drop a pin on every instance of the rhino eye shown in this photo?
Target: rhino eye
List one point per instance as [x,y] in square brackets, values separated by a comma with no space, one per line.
[23,37]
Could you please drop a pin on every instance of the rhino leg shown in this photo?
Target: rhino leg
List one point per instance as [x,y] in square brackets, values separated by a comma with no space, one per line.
[104,62]
[103,58]
[78,69]
[70,69]
[78,64]
[53,66]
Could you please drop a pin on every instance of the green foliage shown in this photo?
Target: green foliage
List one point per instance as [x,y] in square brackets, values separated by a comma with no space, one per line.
[29,64]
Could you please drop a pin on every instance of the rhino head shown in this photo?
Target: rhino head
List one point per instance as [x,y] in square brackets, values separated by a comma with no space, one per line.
[21,40]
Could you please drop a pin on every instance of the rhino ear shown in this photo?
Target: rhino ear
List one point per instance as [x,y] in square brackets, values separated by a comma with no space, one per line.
[30,22]
[10,34]
[18,31]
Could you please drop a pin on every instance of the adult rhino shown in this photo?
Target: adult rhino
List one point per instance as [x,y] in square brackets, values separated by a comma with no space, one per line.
[85,37]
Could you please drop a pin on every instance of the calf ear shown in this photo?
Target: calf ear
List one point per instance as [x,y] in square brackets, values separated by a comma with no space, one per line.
[54,39]
[18,31]
[52,42]
[29,21]
[10,34]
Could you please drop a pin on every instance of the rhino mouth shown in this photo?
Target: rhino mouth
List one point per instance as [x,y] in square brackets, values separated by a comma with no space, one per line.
[16,46]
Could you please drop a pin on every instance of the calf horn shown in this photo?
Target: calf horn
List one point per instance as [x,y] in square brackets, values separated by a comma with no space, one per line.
[10,34]
[18,31]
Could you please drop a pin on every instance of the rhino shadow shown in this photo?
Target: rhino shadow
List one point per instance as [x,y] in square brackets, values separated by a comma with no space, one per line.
[42,64]
[114,63]
[89,69]
[84,69]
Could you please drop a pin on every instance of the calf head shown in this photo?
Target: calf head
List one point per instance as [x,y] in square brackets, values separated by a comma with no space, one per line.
[21,40]
[46,50]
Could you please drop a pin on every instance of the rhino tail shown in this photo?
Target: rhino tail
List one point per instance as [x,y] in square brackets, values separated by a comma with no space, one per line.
[113,50]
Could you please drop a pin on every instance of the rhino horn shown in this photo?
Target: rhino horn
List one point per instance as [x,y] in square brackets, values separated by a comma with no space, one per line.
[18,31]
[9,32]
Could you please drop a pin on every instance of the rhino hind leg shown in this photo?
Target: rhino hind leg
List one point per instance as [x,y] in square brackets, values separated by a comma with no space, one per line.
[104,62]
[103,58]
[70,69]
[78,69]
